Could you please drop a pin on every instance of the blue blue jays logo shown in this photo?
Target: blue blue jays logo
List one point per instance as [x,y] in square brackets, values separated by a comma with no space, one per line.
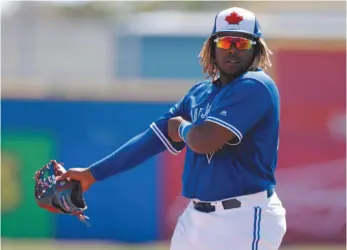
[200,114]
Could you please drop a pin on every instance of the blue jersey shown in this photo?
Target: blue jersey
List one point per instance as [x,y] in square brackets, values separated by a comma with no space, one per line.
[249,107]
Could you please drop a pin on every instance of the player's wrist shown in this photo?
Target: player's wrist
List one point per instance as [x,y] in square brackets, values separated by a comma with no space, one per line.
[92,174]
[183,130]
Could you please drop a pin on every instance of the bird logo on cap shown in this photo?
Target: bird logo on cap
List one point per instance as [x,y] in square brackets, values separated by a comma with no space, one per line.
[233,18]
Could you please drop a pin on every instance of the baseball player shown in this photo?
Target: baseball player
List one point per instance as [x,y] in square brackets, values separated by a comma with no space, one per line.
[229,124]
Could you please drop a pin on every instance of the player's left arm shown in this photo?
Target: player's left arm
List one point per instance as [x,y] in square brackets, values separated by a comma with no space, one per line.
[234,116]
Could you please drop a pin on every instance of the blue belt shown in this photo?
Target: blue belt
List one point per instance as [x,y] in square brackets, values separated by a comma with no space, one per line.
[208,207]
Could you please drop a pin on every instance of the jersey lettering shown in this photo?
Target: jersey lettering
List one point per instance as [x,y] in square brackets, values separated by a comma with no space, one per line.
[201,113]
[197,113]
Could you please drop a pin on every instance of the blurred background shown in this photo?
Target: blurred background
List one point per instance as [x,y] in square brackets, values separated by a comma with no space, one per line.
[79,79]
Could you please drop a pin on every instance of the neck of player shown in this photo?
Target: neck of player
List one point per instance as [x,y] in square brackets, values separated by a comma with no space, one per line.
[225,79]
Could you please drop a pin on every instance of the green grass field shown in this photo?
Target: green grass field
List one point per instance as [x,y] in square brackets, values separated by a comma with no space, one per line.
[7,244]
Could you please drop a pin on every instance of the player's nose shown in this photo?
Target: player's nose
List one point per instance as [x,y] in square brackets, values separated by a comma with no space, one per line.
[233,49]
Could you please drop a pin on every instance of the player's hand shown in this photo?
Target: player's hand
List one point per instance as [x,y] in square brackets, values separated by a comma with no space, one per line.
[173,125]
[79,174]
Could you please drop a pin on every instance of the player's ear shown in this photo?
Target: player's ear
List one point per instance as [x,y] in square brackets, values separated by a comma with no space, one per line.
[213,51]
[213,45]
[257,49]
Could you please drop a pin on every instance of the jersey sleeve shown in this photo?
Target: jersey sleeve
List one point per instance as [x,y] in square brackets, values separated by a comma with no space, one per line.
[241,108]
[160,128]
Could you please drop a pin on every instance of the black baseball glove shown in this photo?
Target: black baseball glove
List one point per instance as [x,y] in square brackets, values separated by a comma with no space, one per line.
[59,196]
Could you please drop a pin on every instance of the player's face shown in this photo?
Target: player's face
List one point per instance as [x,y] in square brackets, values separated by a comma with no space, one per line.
[234,52]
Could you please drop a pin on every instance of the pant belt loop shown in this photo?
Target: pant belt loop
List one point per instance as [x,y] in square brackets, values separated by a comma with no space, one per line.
[270,192]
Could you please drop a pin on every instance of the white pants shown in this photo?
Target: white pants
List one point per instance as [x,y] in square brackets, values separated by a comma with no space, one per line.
[259,224]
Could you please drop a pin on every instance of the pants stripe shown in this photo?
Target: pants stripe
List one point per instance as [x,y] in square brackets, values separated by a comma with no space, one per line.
[256,228]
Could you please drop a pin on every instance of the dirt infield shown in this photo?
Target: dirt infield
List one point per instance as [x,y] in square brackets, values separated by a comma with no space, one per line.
[7,244]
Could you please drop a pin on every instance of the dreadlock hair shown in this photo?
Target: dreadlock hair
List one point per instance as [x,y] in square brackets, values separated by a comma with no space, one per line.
[208,58]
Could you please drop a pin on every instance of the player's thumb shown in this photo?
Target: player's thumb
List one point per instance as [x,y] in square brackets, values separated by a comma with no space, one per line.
[64,176]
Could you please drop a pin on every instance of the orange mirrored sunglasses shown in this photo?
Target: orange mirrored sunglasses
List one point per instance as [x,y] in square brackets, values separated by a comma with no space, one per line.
[240,42]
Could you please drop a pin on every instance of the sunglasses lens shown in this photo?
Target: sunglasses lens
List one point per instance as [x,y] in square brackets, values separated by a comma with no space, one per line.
[224,43]
[240,43]
[244,44]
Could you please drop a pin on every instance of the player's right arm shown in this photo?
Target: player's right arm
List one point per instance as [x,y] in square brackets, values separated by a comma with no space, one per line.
[149,143]
[137,150]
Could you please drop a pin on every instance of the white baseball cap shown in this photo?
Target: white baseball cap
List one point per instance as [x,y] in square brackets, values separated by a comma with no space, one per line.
[237,20]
